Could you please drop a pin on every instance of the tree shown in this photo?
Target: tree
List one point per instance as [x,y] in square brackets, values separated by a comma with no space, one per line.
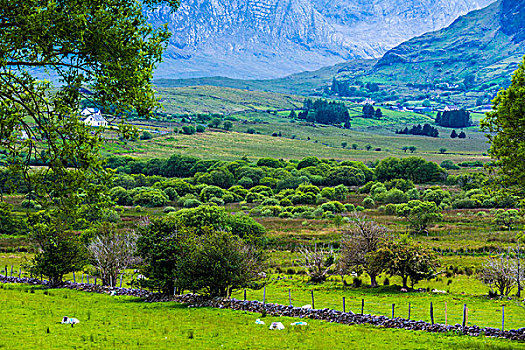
[316,261]
[462,135]
[499,273]
[505,127]
[442,151]
[506,218]
[453,134]
[404,258]
[419,214]
[217,262]
[227,125]
[41,35]
[215,122]
[103,54]
[61,251]
[358,243]
[146,135]
[412,149]
[111,252]
[354,146]
[344,144]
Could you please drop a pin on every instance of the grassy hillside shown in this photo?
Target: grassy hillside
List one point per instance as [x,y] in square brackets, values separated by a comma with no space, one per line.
[299,139]
[213,99]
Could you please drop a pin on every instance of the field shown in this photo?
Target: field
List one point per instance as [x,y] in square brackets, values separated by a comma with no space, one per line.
[31,319]
[299,139]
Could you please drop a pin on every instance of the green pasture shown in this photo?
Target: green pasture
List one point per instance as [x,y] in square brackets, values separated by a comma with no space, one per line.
[31,319]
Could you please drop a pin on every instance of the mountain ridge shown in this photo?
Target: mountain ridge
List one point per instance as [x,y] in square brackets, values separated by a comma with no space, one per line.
[272,38]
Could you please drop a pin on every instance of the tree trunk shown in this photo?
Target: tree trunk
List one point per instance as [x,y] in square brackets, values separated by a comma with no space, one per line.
[405,281]
[373,280]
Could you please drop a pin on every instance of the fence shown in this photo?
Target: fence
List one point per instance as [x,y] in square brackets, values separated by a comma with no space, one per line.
[452,312]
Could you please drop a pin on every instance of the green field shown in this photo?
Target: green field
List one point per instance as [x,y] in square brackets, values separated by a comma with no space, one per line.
[31,319]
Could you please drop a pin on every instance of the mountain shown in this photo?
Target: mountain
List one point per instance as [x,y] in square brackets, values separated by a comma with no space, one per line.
[272,38]
[486,44]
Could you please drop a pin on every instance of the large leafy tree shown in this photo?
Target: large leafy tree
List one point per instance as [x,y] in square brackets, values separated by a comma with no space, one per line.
[101,53]
[506,130]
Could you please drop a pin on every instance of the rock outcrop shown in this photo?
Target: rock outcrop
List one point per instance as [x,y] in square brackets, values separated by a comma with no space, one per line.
[271,38]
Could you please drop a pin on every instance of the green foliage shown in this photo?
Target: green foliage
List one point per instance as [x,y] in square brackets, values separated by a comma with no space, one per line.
[449,165]
[218,219]
[217,262]
[505,126]
[419,214]
[415,169]
[146,135]
[10,223]
[506,218]
[227,125]
[60,251]
[407,259]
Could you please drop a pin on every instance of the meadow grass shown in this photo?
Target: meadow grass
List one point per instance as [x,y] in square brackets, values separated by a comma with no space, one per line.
[31,319]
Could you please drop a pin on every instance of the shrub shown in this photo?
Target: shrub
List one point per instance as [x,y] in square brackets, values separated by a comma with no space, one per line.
[200,128]
[285,202]
[395,196]
[368,202]
[390,209]
[359,208]
[191,203]
[169,209]
[270,201]
[146,135]
[349,207]
[216,200]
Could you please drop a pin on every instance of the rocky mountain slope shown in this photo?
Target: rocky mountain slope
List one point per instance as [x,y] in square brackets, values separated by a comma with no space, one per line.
[270,38]
[486,44]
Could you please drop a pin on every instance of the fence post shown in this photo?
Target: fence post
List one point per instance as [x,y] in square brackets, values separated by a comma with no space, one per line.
[409,311]
[313,302]
[95,280]
[244,294]
[87,278]
[121,279]
[11,270]
[74,279]
[289,296]
[464,316]
[502,318]
[264,296]
[111,281]
[431,313]
[446,316]
[5,270]
[344,305]
[362,306]
[20,273]
[393,308]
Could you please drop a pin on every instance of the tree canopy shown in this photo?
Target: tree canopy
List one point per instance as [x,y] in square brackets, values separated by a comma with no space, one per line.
[100,53]
[506,129]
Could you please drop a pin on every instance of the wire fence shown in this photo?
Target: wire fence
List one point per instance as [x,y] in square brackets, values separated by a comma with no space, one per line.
[505,315]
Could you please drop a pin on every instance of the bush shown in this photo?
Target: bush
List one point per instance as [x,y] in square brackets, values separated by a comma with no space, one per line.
[146,135]
[359,208]
[390,209]
[216,200]
[395,196]
[169,209]
[368,202]
[150,197]
[270,201]
[191,203]
[350,207]
[200,128]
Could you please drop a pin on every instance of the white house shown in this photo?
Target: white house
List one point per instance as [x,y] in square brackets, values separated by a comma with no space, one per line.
[93,117]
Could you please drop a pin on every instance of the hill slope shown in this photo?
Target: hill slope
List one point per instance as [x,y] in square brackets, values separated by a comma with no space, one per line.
[485,43]
[271,38]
